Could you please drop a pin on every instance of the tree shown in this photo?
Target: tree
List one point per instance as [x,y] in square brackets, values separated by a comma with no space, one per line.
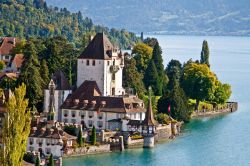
[143,54]
[44,71]
[157,58]
[198,82]
[205,54]
[79,138]
[150,41]
[174,71]
[222,93]
[37,161]
[151,78]
[51,160]
[93,136]
[132,78]
[16,127]
[2,65]
[30,75]
[177,101]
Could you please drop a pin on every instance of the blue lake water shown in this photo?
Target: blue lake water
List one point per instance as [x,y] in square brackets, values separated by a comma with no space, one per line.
[223,140]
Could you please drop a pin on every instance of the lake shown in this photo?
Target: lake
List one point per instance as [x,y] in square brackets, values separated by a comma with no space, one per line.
[222,140]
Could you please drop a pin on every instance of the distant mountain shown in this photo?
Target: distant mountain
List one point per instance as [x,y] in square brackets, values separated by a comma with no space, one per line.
[203,17]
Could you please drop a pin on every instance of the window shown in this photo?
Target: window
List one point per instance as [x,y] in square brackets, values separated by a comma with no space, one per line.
[31,141]
[7,57]
[93,63]
[113,91]
[99,124]
[87,62]
[90,122]
[91,114]
[73,114]
[66,113]
[114,62]
[31,148]
[108,63]
[100,115]
[113,76]
[47,150]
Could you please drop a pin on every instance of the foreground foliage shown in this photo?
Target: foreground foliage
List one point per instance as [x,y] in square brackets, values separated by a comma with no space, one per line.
[16,128]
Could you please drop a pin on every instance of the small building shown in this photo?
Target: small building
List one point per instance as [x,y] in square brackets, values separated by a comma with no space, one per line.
[16,64]
[61,90]
[48,138]
[8,43]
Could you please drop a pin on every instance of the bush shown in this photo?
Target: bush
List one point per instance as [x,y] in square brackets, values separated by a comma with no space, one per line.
[71,129]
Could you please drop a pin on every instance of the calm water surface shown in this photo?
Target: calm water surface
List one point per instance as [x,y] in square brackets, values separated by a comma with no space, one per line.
[223,140]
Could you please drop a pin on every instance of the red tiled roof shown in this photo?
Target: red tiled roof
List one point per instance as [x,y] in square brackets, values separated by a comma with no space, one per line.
[18,60]
[88,96]
[99,48]
[7,45]
[8,75]
[41,131]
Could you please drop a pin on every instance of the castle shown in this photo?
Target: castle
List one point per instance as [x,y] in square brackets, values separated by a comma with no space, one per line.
[99,100]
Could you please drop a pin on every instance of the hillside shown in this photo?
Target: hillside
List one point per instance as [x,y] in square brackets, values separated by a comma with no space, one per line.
[28,18]
[206,17]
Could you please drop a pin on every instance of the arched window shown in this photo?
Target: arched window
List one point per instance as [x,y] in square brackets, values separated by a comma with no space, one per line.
[93,63]
[87,62]
[113,76]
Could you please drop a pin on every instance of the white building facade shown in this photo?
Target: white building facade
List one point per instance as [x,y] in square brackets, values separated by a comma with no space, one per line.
[103,63]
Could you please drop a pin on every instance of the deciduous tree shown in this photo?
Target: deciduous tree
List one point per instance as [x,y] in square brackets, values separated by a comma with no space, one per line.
[16,128]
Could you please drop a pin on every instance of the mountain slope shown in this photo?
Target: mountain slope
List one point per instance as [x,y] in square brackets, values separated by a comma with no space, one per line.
[207,17]
[28,18]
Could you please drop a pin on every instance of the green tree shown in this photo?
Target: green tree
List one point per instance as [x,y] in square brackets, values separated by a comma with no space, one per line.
[198,82]
[158,61]
[79,138]
[177,101]
[51,160]
[150,41]
[205,54]
[151,78]
[93,136]
[44,72]
[132,78]
[30,75]
[143,54]
[174,71]
[222,93]
[2,65]
[37,161]
[16,128]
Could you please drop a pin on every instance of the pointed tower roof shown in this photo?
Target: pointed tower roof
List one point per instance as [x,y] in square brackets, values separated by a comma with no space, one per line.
[149,119]
[99,48]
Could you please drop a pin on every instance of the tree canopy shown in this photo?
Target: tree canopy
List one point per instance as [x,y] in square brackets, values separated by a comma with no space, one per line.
[205,53]
[16,128]
[36,19]
[198,82]
[143,54]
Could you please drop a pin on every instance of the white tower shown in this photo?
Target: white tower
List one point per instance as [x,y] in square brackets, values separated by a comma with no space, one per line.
[103,63]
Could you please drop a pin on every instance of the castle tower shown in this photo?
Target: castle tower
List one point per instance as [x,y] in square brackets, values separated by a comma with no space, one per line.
[51,113]
[148,127]
[103,63]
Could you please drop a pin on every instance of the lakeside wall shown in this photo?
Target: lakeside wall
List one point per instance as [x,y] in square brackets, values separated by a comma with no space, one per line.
[230,107]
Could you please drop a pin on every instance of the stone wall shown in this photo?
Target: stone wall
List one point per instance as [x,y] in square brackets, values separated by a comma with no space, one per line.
[230,107]
[87,150]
